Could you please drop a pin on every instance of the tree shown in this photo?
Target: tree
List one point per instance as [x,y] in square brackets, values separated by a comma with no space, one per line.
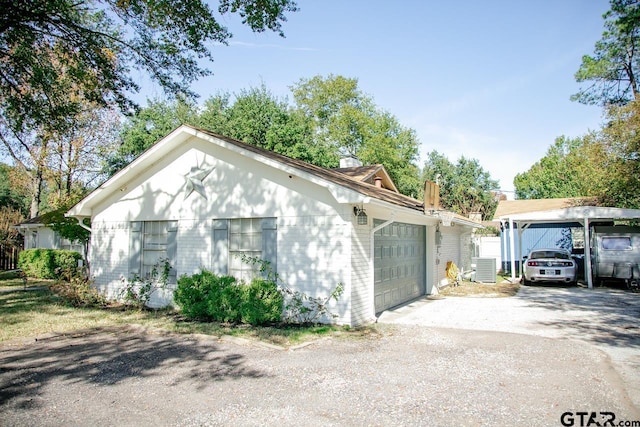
[13,205]
[465,187]
[13,189]
[75,159]
[621,142]
[552,176]
[614,68]
[146,127]
[258,117]
[577,167]
[61,161]
[57,54]
[348,122]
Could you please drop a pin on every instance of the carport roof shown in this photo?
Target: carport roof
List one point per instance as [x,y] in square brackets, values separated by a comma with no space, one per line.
[583,215]
[573,214]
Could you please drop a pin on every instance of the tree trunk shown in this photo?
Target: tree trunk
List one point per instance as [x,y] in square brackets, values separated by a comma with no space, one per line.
[36,192]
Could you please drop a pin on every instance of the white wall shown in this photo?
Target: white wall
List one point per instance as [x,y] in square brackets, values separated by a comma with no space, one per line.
[314,234]
[490,248]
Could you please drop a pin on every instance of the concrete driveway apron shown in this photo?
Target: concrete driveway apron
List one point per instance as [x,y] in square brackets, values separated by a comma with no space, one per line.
[605,318]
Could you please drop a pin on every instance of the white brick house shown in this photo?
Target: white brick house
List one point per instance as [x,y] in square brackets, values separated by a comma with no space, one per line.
[202,199]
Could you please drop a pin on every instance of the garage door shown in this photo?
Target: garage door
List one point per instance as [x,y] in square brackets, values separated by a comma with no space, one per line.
[399,273]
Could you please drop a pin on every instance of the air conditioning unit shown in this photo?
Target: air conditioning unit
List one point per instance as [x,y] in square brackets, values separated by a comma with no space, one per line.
[485,269]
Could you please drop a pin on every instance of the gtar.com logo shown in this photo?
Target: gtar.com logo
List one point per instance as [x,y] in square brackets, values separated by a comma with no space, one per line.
[594,419]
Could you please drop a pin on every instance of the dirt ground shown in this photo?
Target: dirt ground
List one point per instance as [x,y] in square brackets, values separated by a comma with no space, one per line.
[409,375]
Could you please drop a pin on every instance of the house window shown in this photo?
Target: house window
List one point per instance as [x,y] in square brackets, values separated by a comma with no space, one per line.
[68,245]
[245,240]
[234,239]
[33,240]
[154,245]
[151,241]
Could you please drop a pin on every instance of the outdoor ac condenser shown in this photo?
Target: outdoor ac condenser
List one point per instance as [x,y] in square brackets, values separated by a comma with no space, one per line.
[485,269]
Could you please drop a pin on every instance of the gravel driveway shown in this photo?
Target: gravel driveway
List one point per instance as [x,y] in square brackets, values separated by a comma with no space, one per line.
[413,373]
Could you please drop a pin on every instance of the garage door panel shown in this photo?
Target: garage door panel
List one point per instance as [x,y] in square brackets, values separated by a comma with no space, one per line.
[398,264]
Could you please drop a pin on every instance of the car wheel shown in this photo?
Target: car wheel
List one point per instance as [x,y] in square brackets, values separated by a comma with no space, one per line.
[526,282]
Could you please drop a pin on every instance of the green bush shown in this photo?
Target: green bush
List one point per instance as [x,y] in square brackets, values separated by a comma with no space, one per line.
[262,303]
[47,263]
[192,294]
[206,296]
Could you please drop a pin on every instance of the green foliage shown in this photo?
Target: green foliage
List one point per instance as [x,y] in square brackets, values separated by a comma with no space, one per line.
[47,263]
[331,117]
[299,308]
[465,187]
[614,68]
[137,291]
[67,228]
[554,175]
[261,303]
[206,296]
[75,289]
[149,125]
[11,195]
[620,156]
[56,55]
[348,122]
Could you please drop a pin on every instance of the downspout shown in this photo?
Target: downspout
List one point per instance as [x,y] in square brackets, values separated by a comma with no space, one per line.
[86,246]
[371,261]
[503,239]
[81,224]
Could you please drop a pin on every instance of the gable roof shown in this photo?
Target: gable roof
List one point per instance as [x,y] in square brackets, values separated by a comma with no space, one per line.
[368,174]
[164,147]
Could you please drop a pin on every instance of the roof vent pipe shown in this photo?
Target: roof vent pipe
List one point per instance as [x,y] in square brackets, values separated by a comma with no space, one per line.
[378,181]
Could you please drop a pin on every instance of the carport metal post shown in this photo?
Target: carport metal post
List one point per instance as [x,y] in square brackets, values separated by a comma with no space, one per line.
[587,254]
[512,250]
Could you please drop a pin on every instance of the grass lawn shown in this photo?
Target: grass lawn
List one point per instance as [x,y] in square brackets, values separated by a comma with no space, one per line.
[32,313]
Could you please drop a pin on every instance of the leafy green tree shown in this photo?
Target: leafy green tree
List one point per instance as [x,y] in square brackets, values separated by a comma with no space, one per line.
[578,167]
[260,118]
[94,45]
[13,189]
[552,176]
[69,228]
[613,69]
[147,126]
[349,123]
[620,142]
[339,111]
[465,187]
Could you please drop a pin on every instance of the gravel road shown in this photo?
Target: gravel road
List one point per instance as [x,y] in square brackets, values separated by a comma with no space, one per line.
[409,374]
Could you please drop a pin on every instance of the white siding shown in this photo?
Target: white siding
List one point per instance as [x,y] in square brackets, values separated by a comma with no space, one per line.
[109,255]
[456,246]
[314,235]
[362,304]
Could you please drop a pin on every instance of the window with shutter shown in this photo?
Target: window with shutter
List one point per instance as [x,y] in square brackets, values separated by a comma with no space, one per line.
[234,239]
[150,242]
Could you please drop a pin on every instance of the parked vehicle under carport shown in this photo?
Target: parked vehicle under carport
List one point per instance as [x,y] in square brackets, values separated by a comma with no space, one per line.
[615,255]
[553,265]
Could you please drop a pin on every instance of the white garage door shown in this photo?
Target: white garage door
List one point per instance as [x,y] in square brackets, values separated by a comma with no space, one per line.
[399,273]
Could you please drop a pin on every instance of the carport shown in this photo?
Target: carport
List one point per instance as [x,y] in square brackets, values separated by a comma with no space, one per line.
[582,215]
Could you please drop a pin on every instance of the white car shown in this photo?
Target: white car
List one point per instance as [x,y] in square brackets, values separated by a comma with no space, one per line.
[550,265]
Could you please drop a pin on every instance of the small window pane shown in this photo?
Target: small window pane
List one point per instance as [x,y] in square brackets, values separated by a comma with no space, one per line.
[616,243]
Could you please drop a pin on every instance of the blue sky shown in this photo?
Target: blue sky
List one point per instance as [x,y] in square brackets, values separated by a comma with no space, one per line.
[489,80]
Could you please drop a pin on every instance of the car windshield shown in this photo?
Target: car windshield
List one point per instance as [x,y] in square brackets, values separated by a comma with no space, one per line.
[549,254]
